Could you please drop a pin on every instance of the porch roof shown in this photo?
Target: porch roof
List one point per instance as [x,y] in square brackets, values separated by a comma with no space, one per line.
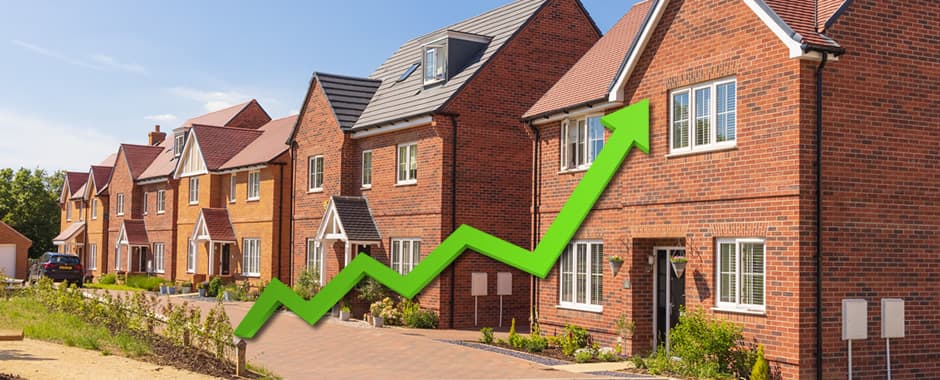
[352,218]
[214,225]
[69,233]
[133,233]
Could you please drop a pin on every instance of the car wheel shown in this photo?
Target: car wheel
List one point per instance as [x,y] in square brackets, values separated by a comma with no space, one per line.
[80,284]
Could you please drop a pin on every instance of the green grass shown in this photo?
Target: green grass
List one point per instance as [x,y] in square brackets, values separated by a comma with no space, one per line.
[144,282]
[112,287]
[37,322]
[265,373]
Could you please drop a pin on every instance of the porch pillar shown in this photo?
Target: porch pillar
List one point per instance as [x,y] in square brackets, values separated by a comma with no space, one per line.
[348,254]
[211,258]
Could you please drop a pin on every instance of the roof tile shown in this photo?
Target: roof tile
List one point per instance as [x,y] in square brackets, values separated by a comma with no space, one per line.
[268,146]
[356,217]
[218,224]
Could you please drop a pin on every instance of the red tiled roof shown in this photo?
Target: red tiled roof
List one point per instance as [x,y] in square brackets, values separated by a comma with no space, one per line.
[218,144]
[590,78]
[163,165]
[80,193]
[136,231]
[69,232]
[218,224]
[101,176]
[139,157]
[802,17]
[108,161]
[218,118]
[75,180]
[266,147]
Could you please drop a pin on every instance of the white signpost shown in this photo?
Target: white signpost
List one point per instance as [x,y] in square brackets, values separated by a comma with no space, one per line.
[854,323]
[892,324]
[478,288]
[503,288]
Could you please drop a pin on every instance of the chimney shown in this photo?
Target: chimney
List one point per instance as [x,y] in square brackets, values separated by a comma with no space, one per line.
[156,137]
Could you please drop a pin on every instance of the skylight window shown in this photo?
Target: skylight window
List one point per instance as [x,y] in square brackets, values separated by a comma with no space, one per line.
[411,69]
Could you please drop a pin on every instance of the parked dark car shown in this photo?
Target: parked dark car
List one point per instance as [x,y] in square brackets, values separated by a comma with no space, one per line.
[58,267]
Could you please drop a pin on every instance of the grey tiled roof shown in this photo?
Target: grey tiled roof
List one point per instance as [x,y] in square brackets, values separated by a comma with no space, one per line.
[348,96]
[356,217]
[395,101]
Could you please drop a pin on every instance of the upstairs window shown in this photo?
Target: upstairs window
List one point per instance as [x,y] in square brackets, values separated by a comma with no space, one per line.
[178,143]
[581,142]
[161,201]
[367,169]
[68,211]
[254,185]
[81,211]
[94,209]
[703,117]
[194,190]
[145,203]
[232,188]
[408,163]
[435,64]
[120,204]
[315,180]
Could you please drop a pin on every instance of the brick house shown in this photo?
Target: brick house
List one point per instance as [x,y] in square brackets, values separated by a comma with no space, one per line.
[14,252]
[84,217]
[445,105]
[730,183]
[71,238]
[233,218]
[128,242]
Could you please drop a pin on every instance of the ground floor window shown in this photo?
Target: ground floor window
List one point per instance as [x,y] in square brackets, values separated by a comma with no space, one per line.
[159,250]
[406,253]
[191,257]
[741,274]
[93,256]
[581,282]
[314,256]
[251,257]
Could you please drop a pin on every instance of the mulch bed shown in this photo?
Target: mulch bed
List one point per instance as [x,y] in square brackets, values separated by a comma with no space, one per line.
[165,353]
[6,376]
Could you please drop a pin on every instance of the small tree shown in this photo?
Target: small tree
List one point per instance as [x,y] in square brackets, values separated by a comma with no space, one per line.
[308,284]
[761,370]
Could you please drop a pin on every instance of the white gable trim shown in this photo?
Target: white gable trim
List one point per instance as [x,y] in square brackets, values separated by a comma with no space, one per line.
[122,239]
[191,151]
[786,35]
[200,231]
[331,219]
[616,91]
[90,186]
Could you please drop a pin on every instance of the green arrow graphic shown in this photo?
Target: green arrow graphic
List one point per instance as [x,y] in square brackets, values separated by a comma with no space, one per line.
[630,127]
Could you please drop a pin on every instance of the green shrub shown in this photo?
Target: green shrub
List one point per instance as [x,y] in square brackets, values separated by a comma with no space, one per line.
[487,335]
[575,337]
[760,371]
[308,284]
[371,290]
[144,282]
[108,279]
[216,285]
[536,342]
[387,310]
[608,354]
[583,355]
[707,346]
[515,340]
[414,316]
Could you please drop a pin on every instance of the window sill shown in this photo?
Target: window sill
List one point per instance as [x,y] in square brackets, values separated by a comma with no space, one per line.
[410,183]
[252,275]
[194,204]
[191,272]
[585,308]
[755,312]
[314,191]
[366,187]
[161,212]
[159,272]
[253,200]
[574,171]
[720,148]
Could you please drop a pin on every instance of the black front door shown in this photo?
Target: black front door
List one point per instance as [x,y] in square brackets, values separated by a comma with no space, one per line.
[142,259]
[226,258]
[670,293]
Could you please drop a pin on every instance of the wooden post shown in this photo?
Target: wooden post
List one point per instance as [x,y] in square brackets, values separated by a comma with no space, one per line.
[241,366]
[186,338]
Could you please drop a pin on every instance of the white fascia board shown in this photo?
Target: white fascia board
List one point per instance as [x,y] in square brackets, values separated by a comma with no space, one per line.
[577,112]
[616,92]
[402,125]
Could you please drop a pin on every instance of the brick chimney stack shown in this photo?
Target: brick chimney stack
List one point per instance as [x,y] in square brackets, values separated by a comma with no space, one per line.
[156,137]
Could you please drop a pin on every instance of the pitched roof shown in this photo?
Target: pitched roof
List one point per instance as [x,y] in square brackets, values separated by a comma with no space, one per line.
[219,144]
[591,77]
[802,16]
[394,100]
[69,232]
[22,237]
[348,96]
[356,217]
[163,164]
[218,224]
[266,147]
[80,193]
[75,181]
[135,231]
[139,157]
[109,161]
[218,118]
[100,176]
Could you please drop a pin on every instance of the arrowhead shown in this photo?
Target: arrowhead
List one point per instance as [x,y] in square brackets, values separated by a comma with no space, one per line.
[633,119]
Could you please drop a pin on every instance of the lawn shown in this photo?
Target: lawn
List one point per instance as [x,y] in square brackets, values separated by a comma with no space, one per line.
[112,287]
[37,322]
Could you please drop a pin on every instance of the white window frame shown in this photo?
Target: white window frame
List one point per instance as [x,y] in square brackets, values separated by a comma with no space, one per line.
[315,173]
[179,141]
[737,305]
[440,58]
[233,188]
[192,253]
[586,148]
[571,260]
[146,209]
[94,209]
[410,174]
[92,256]
[120,204]
[159,257]
[398,256]
[366,171]
[713,143]
[254,185]
[161,202]
[251,257]
[315,256]
[68,211]
[193,191]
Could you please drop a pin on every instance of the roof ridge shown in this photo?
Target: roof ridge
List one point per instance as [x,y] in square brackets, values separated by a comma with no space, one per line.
[321,73]
[447,27]
[255,131]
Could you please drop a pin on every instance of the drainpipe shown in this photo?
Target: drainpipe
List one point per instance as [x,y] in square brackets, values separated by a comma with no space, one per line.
[536,198]
[453,208]
[280,224]
[290,256]
[819,246]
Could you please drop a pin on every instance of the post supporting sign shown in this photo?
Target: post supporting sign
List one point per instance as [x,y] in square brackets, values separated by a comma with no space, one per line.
[854,323]
[503,288]
[478,288]
[892,325]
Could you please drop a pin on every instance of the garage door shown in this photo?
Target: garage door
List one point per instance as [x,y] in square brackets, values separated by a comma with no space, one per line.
[8,259]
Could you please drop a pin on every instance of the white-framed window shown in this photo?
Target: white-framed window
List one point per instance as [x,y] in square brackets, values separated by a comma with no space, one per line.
[314,255]
[120,204]
[741,274]
[254,185]
[191,250]
[81,211]
[251,257]
[178,144]
[581,142]
[92,256]
[581,272]
[315,173]
[159,257]
[367,169]
[94,209]
[194,190]
[435,63]
[145,203]
[408,163]
[703,117]
[232,188]
[406,253]
[68,211]
[161,201]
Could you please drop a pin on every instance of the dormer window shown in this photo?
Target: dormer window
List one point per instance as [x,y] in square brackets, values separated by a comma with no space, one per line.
[435,64]
[178,144]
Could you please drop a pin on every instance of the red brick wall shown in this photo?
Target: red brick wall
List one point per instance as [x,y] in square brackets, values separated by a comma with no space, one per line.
[252,117]
[161,227]
[9,236]
[880,211]
[121,183]
[751,191]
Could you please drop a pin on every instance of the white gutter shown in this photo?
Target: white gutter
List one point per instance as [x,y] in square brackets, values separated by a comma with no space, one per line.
[575,113]
[399,126]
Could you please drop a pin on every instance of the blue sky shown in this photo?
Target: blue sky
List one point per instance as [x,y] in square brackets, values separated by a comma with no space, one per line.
[78,78]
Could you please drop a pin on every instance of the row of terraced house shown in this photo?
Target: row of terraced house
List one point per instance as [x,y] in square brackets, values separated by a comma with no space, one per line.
[792,163]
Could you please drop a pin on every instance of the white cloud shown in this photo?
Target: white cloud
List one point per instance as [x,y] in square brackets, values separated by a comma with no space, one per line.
[99,62]
[161,117]
[32,142]
[211,100]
